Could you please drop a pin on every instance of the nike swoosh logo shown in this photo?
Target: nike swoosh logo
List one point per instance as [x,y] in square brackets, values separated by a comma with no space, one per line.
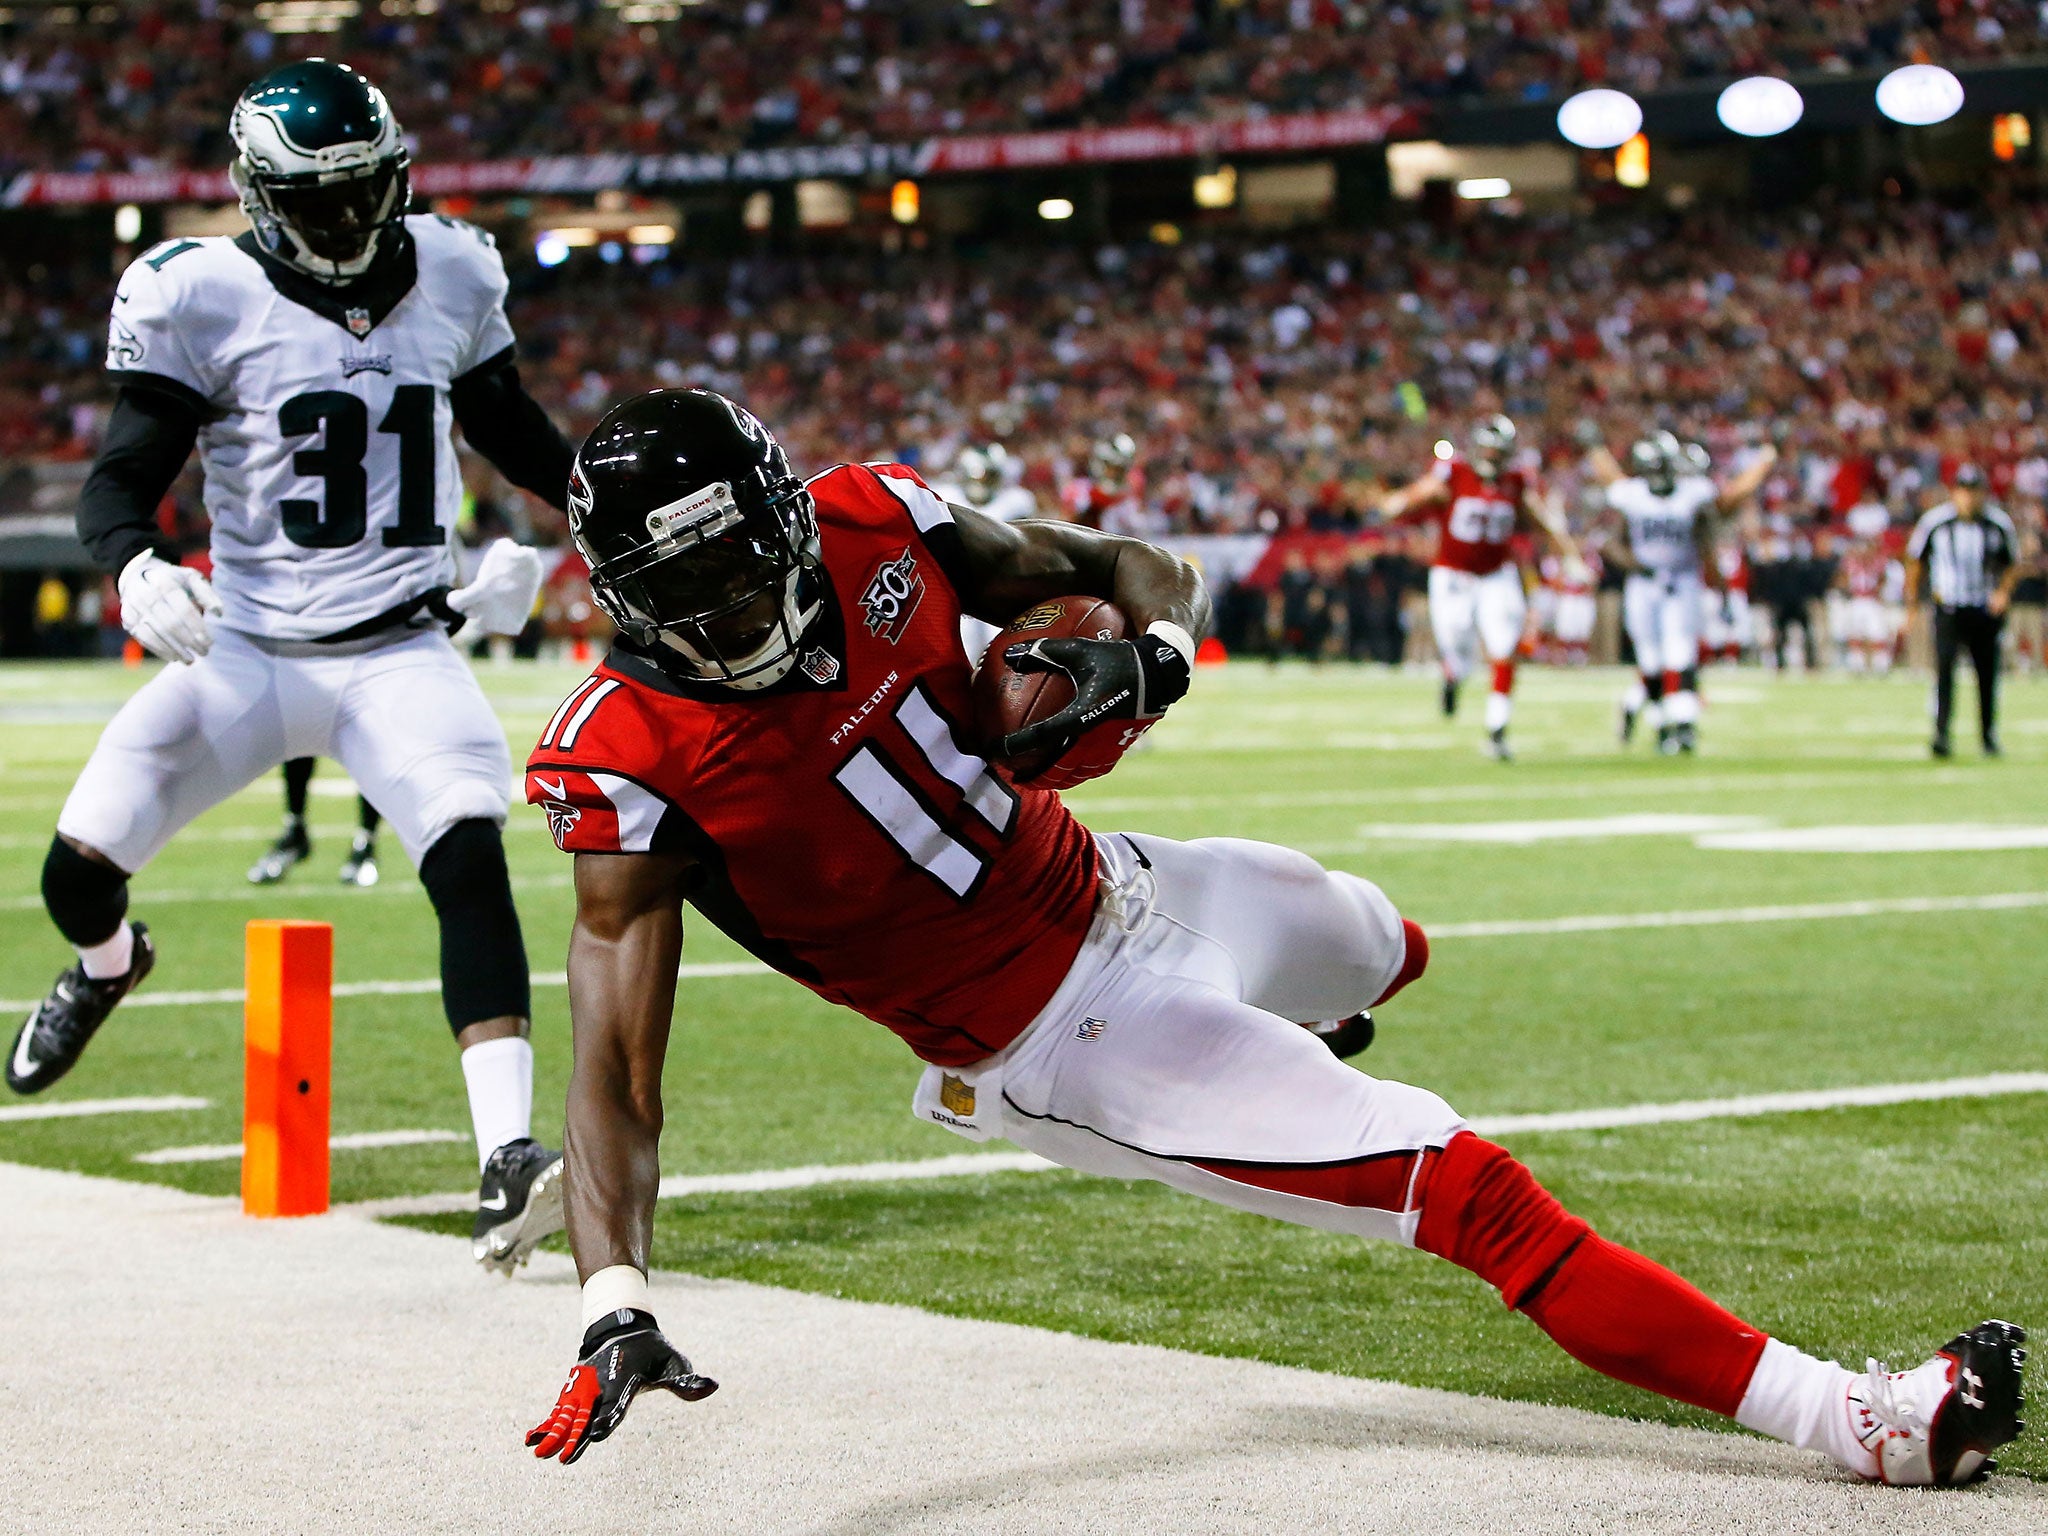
[559,789]
[24,1063]
[497,1204]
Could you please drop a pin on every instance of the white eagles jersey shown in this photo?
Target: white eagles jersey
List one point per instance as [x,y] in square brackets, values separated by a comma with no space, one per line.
[330,475]
[1660,528]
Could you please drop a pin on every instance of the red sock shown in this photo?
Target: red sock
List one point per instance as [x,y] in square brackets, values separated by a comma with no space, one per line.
[1673,684]
[1503,677]
[1605,1306]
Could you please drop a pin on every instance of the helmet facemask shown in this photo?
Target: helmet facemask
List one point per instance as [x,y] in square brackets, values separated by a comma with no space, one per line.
[721,594]
[1656,459]
[1490,445]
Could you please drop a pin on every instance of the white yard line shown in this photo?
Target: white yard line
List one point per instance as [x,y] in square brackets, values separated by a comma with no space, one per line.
[976,1164]
[358,1141]
[75,1108]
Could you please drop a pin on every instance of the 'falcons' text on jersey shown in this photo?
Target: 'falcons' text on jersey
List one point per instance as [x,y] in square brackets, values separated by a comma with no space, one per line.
[330,476]
[841,827]
[1478,517]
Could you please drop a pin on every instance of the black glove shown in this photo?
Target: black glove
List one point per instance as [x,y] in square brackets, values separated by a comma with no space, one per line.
[1113,680]
[622,1353]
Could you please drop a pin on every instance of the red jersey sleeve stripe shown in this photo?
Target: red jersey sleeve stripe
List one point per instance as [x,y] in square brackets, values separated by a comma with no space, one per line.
[584,711]
[547,737]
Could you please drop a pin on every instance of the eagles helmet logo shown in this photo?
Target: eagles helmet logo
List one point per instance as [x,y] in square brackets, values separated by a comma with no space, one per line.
[892,596]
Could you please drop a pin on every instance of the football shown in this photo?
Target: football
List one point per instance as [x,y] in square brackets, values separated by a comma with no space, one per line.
[1006,700]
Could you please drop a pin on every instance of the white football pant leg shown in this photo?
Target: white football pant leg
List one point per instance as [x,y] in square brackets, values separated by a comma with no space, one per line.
[1503,609]
[188,739]
[1641,602]
[1453,619]
[422,743]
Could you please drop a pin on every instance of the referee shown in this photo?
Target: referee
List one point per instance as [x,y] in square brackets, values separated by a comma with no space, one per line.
[1968,554]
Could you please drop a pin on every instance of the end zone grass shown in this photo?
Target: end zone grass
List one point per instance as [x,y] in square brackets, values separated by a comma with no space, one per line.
[1882,1230]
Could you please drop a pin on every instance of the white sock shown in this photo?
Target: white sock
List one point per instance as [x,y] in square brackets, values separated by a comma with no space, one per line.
[110,957]
[1498,708]
[1636,698]
[500,1078]
[1682,708]
[1804,1402]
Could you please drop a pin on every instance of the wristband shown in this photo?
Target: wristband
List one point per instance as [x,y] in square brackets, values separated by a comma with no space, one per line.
[615,1288]
[1174,636]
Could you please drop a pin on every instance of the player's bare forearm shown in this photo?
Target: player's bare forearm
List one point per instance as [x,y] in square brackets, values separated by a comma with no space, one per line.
[1603,466]
[1751,480]
[1412,498]
[1548,521]
[1013,565]
[623,952]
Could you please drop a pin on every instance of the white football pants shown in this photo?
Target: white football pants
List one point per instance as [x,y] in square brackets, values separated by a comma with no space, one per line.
[1174,1049]
[1470,614]
[404,717]
[1662,613]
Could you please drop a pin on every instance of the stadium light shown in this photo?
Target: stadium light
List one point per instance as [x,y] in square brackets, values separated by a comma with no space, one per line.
[1480,189]
[1760,107]
[550,249]
[1217,188]
[1599,119]
[904,202]
[652,234]
[1053,209]
[1919,95]
[1632,163]
[127,223]
[2011,132]
[1443,449]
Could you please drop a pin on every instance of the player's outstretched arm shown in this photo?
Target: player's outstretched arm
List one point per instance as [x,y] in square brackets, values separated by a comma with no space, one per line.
[623,952]
[1739,488]
[1414,497]
[1010,566]
[505,424]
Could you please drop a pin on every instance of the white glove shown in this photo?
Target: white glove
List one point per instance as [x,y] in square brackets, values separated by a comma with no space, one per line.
[501,597]
[166,606]
[1576,572]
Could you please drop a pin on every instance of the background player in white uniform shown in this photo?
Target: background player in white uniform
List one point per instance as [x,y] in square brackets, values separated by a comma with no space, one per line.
[318,361]
[1671,513]
[985,479]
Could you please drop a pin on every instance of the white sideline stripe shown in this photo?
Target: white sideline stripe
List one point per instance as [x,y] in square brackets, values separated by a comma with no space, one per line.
[705,971]
[972,1164]
[1592,922]
[355,1142]
[76,1107]
[1710,917]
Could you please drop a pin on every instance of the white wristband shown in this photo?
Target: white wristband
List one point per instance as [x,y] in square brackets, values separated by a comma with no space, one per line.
[616,1288]
[1174,636]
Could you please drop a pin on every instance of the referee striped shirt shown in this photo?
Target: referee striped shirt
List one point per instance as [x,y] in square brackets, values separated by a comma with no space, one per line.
[1964,557]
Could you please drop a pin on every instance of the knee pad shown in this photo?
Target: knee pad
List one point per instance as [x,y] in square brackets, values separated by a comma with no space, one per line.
[1414,959]
[1485,1212]
[86,899]
[483,956]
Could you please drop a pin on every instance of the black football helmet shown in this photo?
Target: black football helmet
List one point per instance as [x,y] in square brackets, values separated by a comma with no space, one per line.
[1657,459]
[702,545]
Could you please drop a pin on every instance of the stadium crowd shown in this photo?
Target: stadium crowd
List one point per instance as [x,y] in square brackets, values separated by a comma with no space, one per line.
[104,87]
[1283,386]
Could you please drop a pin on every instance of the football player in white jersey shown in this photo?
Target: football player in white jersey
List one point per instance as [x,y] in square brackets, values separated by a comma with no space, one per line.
[1671,511]
[318,362]
[982,478]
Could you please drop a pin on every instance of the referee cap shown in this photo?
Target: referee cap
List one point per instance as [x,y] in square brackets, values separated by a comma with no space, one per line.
[1969,475]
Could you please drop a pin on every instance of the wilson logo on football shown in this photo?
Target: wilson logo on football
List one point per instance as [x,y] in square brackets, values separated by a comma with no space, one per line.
[892,596]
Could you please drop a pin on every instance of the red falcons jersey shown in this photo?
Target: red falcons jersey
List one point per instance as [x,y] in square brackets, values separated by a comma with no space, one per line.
[1478,517]
[1863,575]
[841,830]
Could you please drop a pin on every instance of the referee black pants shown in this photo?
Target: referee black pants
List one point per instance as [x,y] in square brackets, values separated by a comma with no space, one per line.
[1975,630]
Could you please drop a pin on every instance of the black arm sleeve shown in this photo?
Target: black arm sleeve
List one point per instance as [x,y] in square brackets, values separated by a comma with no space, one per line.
[148,438]
[507,426]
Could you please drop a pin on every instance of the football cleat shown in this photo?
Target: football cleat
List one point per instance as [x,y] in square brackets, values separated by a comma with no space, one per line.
[519,1204]
[1667,740]
[1687,736]
[57,1032]
[360,867]
[1937,1424]
[1939,747]
[1627,729]
[1450,698]
[1345,1037]
[293,846]
[1497,746]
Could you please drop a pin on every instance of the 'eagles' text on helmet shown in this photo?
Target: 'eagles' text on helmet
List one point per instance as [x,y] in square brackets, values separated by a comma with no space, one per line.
[1491,444]
[702,545]
[1657,459]
[320,167]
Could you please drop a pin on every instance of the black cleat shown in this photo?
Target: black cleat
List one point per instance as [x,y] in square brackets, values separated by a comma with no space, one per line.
[1345,1037]
[56,1034]
[360,867]
[1497,746]
[292,847]
[1628,718]
[519,1204]
[1939,747]
[1937,1424]
[1991,746]
[1688,737]
[1450,699]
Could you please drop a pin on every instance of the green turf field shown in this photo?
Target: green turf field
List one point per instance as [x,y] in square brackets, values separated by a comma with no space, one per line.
[1847,1230]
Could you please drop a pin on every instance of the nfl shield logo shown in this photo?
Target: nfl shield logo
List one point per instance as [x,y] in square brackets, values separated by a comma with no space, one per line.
[820,665]
[358,323]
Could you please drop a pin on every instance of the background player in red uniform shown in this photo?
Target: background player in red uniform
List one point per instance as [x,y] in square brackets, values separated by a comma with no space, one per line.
[776,741]
[1477,600]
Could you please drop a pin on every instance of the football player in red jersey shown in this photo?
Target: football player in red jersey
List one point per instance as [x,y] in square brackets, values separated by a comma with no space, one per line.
[1477,599]
[775,741]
